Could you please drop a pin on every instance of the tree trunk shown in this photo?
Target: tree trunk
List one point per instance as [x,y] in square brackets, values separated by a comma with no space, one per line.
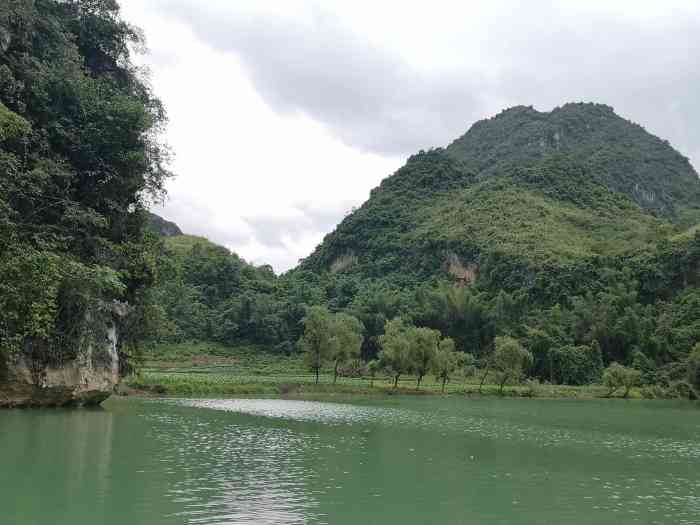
[317,375]
[396,381]
[503,383]
[488,367]
[444,380]
[420,378]
[335,372]
[371,381]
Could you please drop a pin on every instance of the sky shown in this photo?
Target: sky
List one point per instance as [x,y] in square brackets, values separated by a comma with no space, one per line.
[283,115]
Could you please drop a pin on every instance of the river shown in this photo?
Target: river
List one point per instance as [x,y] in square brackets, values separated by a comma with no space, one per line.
[396,460]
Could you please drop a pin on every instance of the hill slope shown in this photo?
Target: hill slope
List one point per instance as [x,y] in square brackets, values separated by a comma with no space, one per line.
[519,194]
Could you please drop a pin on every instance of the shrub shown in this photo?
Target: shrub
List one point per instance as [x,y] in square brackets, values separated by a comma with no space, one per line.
[617,376]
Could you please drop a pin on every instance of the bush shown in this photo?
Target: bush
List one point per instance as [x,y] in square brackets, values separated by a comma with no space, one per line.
[617,376]
[577,365]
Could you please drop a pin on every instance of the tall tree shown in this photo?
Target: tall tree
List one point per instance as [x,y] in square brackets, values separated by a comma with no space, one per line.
[317,341]
[396,349]
[446,360]
[346,340]
[423,346]
[510,360]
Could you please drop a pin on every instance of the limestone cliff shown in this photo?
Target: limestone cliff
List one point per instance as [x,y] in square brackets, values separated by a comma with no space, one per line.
[88,379]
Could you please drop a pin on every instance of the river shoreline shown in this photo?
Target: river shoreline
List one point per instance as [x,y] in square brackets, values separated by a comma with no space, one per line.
[150,386]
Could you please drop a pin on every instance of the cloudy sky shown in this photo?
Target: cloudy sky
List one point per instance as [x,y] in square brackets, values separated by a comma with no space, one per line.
[285,114]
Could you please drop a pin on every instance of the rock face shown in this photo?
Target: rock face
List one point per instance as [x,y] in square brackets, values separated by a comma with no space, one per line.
[88,380]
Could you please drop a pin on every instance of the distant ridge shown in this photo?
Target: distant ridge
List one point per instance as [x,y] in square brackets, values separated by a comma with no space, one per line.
[162,227]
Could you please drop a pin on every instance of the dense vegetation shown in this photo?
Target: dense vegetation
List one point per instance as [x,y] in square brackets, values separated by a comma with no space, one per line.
[572,233]
[80,161]
[561,246]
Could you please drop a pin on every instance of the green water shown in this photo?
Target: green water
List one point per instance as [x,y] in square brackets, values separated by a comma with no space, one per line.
[402,460]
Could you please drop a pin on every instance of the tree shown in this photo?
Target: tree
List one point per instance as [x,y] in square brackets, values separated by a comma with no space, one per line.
[510,360]
[617,376]
[446,360]
[395,343]
[346,340]
[577,365]
[468,363]
[423,346]
[317,341]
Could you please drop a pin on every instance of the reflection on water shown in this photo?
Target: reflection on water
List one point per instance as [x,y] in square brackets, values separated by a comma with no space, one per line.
[229,473]
[404,460]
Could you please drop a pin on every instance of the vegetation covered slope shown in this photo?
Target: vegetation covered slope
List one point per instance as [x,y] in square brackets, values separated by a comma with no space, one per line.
[80,160]
[545,242]
[555,191]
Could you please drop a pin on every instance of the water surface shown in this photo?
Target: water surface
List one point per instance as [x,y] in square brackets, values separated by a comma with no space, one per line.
[398,460]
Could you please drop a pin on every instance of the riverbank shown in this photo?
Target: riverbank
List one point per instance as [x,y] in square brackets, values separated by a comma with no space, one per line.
[206,370]
[173,384]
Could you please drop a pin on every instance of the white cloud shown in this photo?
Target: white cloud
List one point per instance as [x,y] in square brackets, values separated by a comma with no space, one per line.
[247,175]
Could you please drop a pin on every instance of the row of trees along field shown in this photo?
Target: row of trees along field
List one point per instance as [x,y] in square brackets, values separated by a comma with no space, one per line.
[419,351]
[639,314]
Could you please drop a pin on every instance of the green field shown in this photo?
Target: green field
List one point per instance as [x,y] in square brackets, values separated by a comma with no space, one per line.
[205,369]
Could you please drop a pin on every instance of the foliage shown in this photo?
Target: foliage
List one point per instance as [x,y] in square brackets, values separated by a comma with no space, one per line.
[317,341]
[80,160]
[577,365]
[617,376]
[395,356]
[446,361]
[510,360]
[346,333]
[423,345]
[573,232]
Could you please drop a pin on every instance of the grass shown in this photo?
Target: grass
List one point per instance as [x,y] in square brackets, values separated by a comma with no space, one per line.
[206,369]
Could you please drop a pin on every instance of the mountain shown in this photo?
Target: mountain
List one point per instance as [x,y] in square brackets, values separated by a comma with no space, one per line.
[161,226]
[520,198]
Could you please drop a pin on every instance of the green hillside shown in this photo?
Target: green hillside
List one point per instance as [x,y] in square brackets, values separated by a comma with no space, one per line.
[548,191]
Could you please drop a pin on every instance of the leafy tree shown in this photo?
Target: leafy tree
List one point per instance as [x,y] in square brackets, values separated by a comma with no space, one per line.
[645,365]
[346,340]
[510,360]
[317,341]
[395,356]
[446,361]
[468,363]
[577,365]
[423,344]
[617,376]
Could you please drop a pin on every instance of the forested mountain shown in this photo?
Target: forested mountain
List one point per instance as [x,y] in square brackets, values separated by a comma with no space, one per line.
[572,231]
[555,191]
[80,161]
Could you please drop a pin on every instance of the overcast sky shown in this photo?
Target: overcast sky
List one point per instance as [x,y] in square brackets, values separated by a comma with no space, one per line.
[285,114]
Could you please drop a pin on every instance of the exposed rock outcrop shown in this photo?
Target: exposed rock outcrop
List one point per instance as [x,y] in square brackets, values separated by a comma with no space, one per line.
[88,379]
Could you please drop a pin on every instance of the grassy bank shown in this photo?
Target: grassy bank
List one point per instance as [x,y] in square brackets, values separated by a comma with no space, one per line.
[204,369]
